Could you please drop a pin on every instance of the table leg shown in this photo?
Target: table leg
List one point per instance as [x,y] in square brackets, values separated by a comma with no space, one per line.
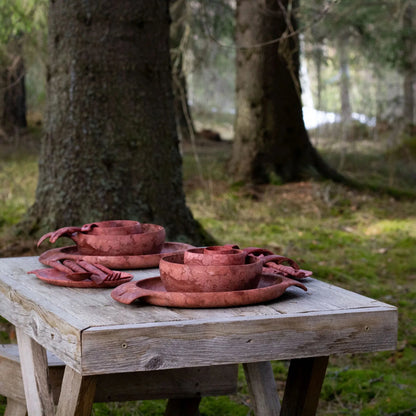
[303,386]
[77,394]
[34,364]
[15,408]
[262,388]
[183,407]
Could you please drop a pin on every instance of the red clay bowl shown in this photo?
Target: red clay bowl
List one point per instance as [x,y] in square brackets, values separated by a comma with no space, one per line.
[210,256]
[114,227]
[179,277]
[149,241]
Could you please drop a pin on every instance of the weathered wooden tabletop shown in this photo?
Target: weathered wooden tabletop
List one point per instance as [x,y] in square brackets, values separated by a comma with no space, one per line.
[94,334]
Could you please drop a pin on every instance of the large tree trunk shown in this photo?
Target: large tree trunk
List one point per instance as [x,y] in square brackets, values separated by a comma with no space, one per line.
[270,135]
[110,149]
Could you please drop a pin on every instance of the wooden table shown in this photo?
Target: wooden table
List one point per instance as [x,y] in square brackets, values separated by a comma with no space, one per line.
[93,334]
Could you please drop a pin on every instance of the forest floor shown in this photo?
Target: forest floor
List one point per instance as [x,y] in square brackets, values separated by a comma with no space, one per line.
[362,241]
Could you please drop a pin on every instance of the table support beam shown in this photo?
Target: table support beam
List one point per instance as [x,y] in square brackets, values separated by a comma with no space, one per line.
[34,364]
[303,386]
[183,407]
[15,408]
[77,394]
[262,388]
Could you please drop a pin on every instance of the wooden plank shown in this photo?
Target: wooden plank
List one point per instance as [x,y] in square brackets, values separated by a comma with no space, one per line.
[175,345]
[34,366]
[11,383]
[15,408]
[303,386]
[179,383]
[262,388]
[321,296]
[10,352]
[77,394]
[22,304]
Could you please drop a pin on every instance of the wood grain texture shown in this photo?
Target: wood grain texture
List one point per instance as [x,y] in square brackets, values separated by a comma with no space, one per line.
[262,388]
[303,386]
[15,408]
[83,325]
[176,345]
[177,383]
[42,321]
[11,383]
[77,394]
[34,367]
[180,383]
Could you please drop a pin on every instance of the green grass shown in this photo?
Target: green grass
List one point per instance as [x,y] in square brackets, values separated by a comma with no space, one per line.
[18,175]
[359,240]
[209,406]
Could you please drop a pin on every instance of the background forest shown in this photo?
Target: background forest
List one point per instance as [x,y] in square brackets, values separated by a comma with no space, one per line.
[358,77]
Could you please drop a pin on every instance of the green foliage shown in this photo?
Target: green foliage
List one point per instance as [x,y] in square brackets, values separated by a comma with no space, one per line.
[19,17]
[211,53]
[376,27]
[14,20]
[23,32]
[379,37]
[406,150]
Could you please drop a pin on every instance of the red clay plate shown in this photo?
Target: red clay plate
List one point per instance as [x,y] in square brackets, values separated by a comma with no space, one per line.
[144,261]
[152,291]
[58,278]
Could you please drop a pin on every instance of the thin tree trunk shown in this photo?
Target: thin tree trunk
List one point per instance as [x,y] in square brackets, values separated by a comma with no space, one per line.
[179,33]
[409,102]
[409,78]
[14,97]
[110,150]
[344,81]
[270,135]
[318,54]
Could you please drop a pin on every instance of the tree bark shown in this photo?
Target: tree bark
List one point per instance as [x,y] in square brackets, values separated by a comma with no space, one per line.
[270,135]
[14,97]
[318,58]
[344,84]
[179,32]
[110,150]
